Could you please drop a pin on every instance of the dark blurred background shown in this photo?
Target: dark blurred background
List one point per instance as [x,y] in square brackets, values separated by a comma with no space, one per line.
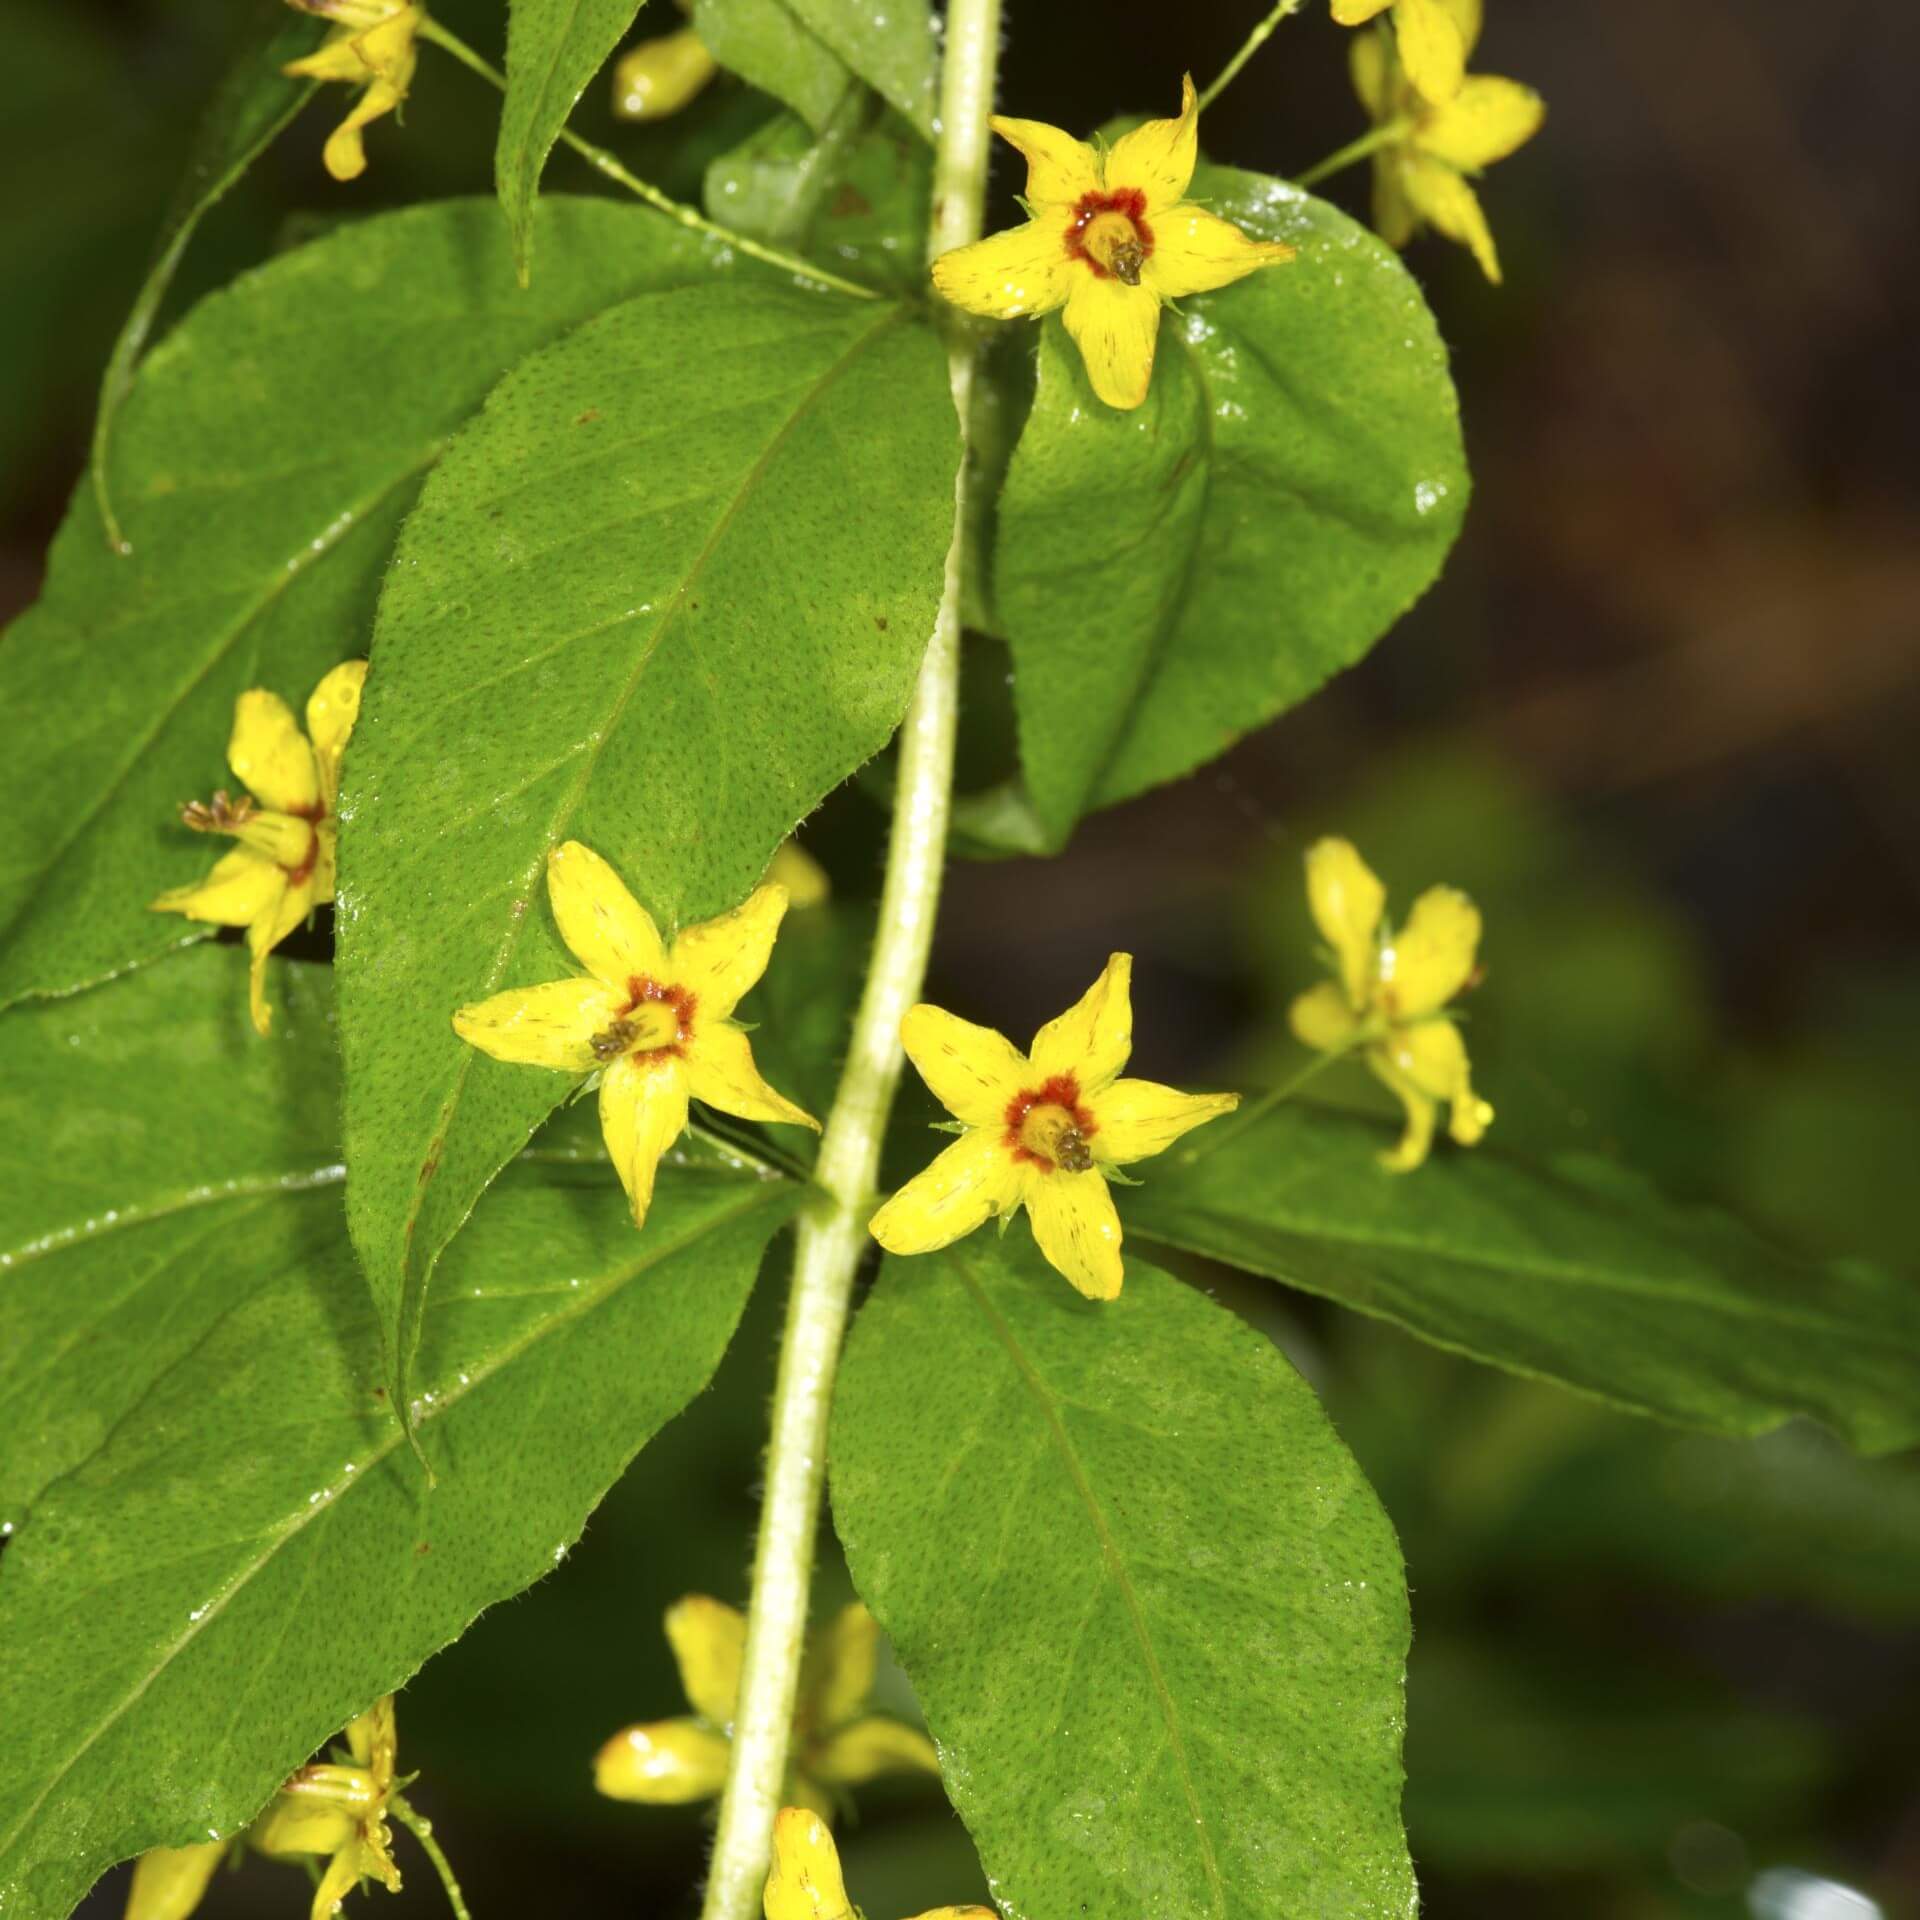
[1660,718]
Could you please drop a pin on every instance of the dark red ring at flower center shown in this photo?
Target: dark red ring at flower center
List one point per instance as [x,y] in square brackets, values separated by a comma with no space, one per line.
[1062,1091]
[642,991]
[1130,203]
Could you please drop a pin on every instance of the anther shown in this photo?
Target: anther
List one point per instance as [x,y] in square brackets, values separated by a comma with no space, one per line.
[1127,260]
[614,1042]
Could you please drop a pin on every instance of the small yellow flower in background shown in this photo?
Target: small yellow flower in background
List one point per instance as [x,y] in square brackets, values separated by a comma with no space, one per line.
[805,1882]
[804,878]
[837,1742]
[283,867]
[1389,994]
[661,76]
[372,47]
[1432,38]
[1420,177]
[1043,1131]
[651,1017]
[169,1882]
[1112,238]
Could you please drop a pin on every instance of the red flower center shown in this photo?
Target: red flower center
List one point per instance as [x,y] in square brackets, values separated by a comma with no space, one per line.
[1048,1128]
[1109,232]
[653,1027]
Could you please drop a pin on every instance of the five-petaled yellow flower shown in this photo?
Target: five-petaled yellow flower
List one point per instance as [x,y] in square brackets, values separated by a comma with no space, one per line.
[1420,175]
[1112,238]
[283,867]
[837,1742]
[653,1018]
[1432,37]
[1041,1131]
[1390,992]
[372,47]
[805,1882]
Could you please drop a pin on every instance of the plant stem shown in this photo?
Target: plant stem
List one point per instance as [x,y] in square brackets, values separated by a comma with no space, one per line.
[832,1238]
[1248,48]
[422,1830]
[1372,141]
[431,29]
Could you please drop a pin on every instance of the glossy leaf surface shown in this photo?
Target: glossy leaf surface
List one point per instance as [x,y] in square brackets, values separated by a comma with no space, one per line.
[554,47]
[260,471]
[222,1549]
[1578,1272]
[1173,577]
[766,43]
[1155,1616]
[660,615]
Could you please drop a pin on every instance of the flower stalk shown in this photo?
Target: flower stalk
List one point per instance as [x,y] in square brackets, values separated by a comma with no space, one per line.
[832,1238]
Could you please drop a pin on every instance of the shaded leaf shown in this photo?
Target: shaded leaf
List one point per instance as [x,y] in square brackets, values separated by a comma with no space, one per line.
[890,47]
[764,42]
[1152,1610]
[260,466]
[658,614]
[1578,1272]
[1172,577]
[554,47]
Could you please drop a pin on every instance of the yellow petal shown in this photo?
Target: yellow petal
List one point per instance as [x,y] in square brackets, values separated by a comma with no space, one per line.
[974,1072]
[720,1072]
[1431,957]
[1092,1039]
[1137,1118]
[546,1026]
[1195,251]
[670,1763]
[720,959]
[958,1913]
[1024,270]
[331,712]
[866,1749]
[270,755]
[168,1882]
[1484,122]
[1432,51]
[1115,326]
[1356,13]
[661,76]
[339,1880]
[708,1638]
[1393,215]
[1466,17]
[1078,1230]
[805,1883]
[1372,74]
[1059,167]
[1432,1056]
[1442,198]
[294,1826]
[242,886]
[643,1111]
[609,932]
[973,1179]
[373,1738]
[842,1657]
[1158,156]
[336,59]
[1323,1017]
[264,933]
[1416,1141]
[1346,900]
[804,878]
[386,50]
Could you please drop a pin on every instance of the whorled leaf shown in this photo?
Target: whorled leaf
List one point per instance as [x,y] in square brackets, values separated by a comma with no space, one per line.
[260,468]
[809,53]
[1173,577]
[220,1546]
[1155,1616]
[668,590]
[1579,1272]
[554,47]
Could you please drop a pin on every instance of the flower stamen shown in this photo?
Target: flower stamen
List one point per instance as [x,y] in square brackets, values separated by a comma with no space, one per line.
[1048,1127]
[1110,234]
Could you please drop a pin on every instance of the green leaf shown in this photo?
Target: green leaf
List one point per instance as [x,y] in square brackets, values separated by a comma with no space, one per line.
[764,42]
[1578,1272]
[659,614]
[554,47]
[261,467]
[890,47]
[251,107]
[1154,1613]
[1171,577]
[227,1481]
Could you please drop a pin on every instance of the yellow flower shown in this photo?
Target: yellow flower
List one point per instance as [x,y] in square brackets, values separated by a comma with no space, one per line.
[805,1882]
[1432,37]
[652,1018]
[339,1808]
[1112,239]
[1420,174]
[1389,993]
[662,75]
[1043,1131]
[283,867]
[836,1741]
[371,47]
[804,878]
[169,1882]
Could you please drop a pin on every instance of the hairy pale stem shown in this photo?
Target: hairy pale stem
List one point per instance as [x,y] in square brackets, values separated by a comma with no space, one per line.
[833,1236]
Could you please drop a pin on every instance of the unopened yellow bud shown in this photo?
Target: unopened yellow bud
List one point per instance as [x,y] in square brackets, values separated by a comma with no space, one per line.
[661,76]
[806,1882]
[168,1882]
[667,1763]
